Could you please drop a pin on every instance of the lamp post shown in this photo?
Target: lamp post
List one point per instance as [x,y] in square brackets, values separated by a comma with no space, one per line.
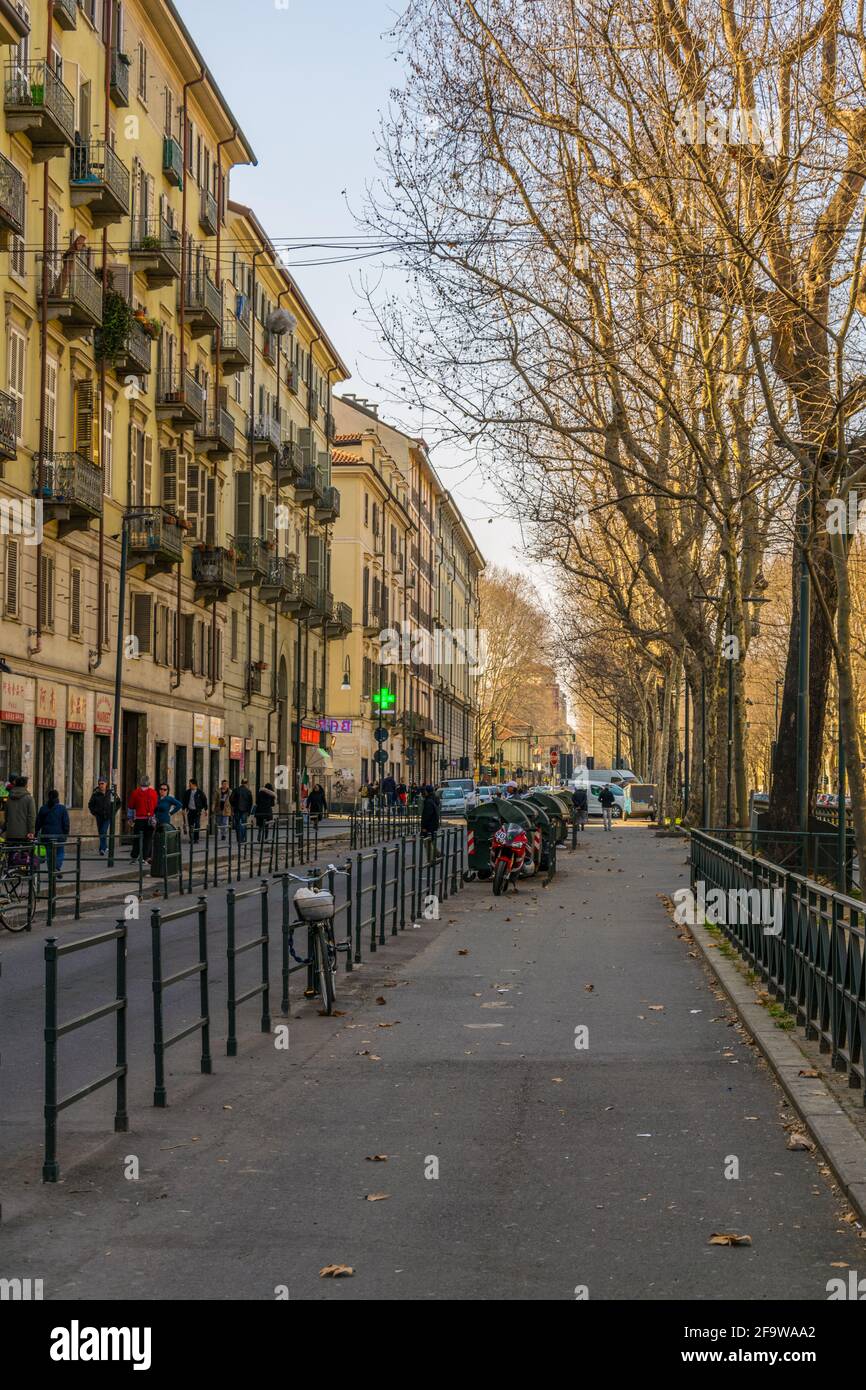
[803,711]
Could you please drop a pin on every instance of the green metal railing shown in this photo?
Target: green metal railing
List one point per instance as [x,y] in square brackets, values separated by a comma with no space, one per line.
[812,954]
[161,1043]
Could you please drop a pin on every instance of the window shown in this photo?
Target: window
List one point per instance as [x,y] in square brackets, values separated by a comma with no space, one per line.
[142,622]
[46,613]
[187,636]
[11,579]
[142,72]
[50,405]
[106,614]
[85,418]
[74,770]
[17,366]
[75,613]
[17,259]
[366,509]
[261,655]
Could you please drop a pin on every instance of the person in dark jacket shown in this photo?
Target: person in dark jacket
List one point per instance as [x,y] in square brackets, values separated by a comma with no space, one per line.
[389,790]
[241,802]
[20,813]
[579,802]
[52,823]
[429,822]
[102,806]
[194,802]
[266,799]
[607,800]
[166,807]
[316,804]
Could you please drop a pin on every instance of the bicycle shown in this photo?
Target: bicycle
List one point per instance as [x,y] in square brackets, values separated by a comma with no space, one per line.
[17,888]
[324,950]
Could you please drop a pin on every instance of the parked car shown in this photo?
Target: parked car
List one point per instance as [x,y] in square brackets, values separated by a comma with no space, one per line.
[621,808]
[643,798]
[466,785]
[453,802]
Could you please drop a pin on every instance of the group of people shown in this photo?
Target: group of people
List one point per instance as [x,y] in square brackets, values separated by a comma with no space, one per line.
[22,823]
[389,793]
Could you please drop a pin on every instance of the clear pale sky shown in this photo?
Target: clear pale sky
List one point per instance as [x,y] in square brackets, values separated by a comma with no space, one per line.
[306,80]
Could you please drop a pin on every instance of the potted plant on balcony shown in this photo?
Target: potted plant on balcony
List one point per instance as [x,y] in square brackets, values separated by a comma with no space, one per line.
[116,322]
[152,327]
[149,242]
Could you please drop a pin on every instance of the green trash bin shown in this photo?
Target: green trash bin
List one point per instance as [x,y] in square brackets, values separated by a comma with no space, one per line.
[543,823]
[166,860]
[554,808]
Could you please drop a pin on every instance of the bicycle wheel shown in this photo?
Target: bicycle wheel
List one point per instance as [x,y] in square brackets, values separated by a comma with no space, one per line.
[324,969]
[17,904]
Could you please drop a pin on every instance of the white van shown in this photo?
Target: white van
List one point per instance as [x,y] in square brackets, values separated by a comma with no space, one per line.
[621,809]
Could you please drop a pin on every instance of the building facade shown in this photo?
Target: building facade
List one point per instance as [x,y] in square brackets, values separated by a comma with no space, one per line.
[156,400]
[401,542]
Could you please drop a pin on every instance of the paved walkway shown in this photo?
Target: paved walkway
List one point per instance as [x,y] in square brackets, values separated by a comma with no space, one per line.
[518,1167]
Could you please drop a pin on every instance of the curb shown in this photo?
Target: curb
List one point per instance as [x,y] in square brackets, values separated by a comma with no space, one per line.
[834,1133]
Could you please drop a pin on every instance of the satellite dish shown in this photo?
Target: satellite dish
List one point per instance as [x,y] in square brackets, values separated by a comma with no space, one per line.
[280,321]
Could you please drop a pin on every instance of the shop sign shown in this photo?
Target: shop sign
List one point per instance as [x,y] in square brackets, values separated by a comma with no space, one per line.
[199,730]
[236,749]
[216,732]
[310,736]
[46,705]
[14,691]
[336,726]
[103,715]
[76,711]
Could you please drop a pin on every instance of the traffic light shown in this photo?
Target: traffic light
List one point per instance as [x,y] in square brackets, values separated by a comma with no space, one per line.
[384,699]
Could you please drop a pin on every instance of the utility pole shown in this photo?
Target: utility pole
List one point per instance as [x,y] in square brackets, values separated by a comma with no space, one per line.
[803,679]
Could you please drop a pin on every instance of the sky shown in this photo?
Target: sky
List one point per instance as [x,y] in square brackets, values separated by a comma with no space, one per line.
[306,80]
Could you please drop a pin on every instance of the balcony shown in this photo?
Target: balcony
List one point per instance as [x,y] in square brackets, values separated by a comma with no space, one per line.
[99,181]
[214,571]
[13,25]
[254,678]
[374,622]
[207,212]
[65,14]
[215,436]
[330,428]
[317,700]
[323,607]
[179,399]
[70,490]
[277,584]
[293,379]
[313,404]
[8,426]
[155,251]
[289,464]
[120,64]
[74,293]
[172,161]
[11,202]
[254,561]
[340,622]
[236,349]
[134,358]
[203,305]
[309,489]
[154,540]
[37,103]
[302,598]
[329,508]
[266,437]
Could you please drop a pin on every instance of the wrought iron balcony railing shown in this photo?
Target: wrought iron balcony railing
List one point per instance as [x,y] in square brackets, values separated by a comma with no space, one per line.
[37,102]
[155,246]
[154,534]
[329,507]
[203,302]
[254,559]
[11,197]
[266,431]
[254,678]
[179,396]
[216,432]
[207,215]
[340,621]
[215,568]
[74,292]
[68,479]
[134,358]
[99,176]
[120,78]
[279,580]
[8,425]
[172,161]
[236,350]
[65,13]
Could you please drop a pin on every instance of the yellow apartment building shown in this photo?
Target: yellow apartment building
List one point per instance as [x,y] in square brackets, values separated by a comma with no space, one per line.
[154,401]
[414,564]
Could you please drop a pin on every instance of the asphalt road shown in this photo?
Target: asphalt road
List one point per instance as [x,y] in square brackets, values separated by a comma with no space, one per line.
[517,1165]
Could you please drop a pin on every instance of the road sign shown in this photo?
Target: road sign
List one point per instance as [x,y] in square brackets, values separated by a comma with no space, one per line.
[381,756]
[410,756]
[381,735]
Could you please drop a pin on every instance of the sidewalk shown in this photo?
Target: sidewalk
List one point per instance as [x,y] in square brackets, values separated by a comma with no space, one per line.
[518,1166]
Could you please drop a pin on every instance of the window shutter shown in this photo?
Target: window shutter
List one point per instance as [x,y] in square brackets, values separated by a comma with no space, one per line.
[159,634]
[315,559]
[181,483]
[234,635]
[192,496]
[106,613]
[142,622]
[306,448]
[168,462]
[210,512]
[75,602]
[148,470]
[187,637]
[47,613]
[243,503]
[218,675]
[84,418]
[270,520]
[261,642]
[13,555]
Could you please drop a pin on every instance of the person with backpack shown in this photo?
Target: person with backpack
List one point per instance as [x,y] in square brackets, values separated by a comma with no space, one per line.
[52,823]
[241,802]
[224,808]
[607,800]
[102,806]
[266,799]
[20,813]
[430,821]
[579,802]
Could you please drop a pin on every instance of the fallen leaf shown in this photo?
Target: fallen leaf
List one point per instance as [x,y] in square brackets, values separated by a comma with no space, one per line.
[808,1071]
[335,1271]
[839,1264]
[798,1140]
[388,1025]
[377,1196]
[377,1158]
[589,988]
[728,1238]
[463,952]
[557,1080]
[656,1008]
[381,999]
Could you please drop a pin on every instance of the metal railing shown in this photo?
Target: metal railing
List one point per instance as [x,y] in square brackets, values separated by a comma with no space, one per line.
[235,339]
[95,162]
[8,424]
[172,161]
[382,821]
[262,987]
[215,567]
[154,236]
[137,348]
[279,578]
[68,478]
[207,215]
[35,86]
[182,390]
[54,1031]
[217,427]
[809,949]
[161,983]
[266,430]
[72,283]
[119,78]
[254,558]
[11,196]
[203,297]
[154,532]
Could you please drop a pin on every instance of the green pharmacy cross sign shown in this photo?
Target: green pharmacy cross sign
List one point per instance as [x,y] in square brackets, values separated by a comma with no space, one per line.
[384,699]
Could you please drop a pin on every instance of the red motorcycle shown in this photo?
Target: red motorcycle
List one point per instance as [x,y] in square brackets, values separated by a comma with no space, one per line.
[509,853]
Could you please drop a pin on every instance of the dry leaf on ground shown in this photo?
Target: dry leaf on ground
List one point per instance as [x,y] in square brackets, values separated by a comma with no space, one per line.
[728,1238]
[377,1196]
[335,1271]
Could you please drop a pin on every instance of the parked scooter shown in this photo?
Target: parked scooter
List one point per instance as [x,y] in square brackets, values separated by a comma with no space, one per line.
[510,852]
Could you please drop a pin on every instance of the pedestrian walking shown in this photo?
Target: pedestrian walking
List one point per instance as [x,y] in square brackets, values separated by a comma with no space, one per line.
[402,795]
[194,803]
[430,820]
[389,790]
[102,806]
[316,804]
[224,807]
[241,802]
[266,799]
[166,807]
[579,802]
[141,813]
[606,801]
[52,823]
[20,813]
